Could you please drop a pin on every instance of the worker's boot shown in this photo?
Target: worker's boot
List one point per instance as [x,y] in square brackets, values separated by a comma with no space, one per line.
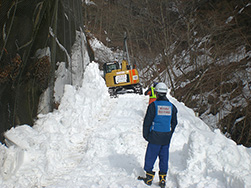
[162,179]
[149,178]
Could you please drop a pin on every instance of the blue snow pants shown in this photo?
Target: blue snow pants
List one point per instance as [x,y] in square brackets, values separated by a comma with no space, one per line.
[152,152]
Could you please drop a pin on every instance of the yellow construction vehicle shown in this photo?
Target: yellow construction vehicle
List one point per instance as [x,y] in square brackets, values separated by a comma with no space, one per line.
[120,77]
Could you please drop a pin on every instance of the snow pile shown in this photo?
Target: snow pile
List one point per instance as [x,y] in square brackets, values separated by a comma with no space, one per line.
[202,158]
[72,72]
[93,141]
[103,53]
[52,146]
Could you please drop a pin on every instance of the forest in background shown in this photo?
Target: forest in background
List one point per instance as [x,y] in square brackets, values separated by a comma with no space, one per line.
[201,48]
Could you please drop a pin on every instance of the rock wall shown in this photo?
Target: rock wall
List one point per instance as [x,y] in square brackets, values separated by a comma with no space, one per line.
[35,36]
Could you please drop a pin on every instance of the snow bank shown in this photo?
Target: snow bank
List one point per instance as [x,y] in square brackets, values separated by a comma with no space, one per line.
[202,158]
[52,145]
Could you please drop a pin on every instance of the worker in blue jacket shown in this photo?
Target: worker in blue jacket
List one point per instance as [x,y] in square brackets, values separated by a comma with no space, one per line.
[158,127]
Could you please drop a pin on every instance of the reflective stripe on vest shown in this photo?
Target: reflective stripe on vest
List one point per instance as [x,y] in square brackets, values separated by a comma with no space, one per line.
[153,95]
[163,116]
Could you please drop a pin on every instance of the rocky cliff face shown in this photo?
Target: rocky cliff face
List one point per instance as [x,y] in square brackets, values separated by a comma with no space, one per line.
[36,36]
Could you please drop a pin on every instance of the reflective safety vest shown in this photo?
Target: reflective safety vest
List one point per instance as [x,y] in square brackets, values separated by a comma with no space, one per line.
[153,95]
[163,116]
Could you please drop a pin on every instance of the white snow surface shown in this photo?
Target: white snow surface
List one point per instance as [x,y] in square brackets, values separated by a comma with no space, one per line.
[103,53]
[94,141]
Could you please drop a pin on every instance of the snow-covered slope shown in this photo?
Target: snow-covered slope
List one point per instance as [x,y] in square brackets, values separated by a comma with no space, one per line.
[95,141]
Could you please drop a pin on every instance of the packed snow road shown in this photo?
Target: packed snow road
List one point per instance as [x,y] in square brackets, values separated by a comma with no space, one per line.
[94,141]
